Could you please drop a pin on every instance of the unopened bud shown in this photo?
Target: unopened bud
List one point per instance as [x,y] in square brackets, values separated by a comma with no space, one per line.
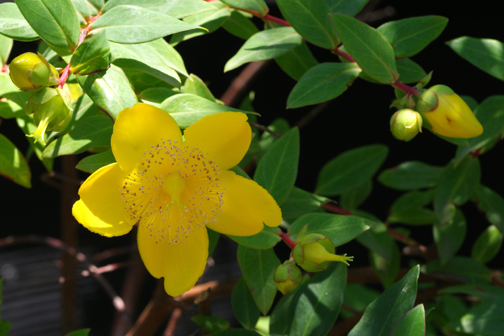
[31,72]
[405,124]
[287,277]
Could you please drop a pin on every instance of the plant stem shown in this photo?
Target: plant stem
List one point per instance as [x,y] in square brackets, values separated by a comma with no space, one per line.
[343,54]
[407,89]
[268,17]
[287,240]
[336,209]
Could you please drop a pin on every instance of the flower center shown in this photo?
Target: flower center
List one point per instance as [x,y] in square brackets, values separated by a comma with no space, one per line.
[173,190]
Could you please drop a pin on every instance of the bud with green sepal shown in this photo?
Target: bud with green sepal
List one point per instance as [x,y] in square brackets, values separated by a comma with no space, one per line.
[447,114]
[31,72]
[405,124]
[287,277]
[314,252]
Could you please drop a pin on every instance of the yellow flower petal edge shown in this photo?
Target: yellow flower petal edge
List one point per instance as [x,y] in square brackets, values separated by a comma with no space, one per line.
[173,189]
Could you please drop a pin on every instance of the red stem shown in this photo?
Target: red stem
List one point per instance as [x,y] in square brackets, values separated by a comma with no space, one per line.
[344,55]
[407,89]
[5,67]
[268,17]
[64,76]
[333,208]
[287,240]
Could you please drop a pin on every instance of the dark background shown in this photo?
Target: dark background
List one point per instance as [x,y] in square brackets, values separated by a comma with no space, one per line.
[359,117]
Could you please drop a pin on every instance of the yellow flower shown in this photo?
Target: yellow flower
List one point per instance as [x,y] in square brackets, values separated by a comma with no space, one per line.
[174,187]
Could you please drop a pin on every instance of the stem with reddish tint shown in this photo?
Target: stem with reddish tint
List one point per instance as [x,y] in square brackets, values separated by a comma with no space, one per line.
[406,89]
[344,55]
[335,209]
[287,240]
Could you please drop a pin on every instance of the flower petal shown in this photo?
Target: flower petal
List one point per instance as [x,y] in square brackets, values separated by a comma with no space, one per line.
[101,208]
[246,207]
[137,129]
[181,264]
[226,136]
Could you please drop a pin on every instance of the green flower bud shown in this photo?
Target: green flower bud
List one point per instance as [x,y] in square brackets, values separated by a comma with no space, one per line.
[405,124]
[31,72]
[287,277]
[314,252]
[447,113]
[50,108]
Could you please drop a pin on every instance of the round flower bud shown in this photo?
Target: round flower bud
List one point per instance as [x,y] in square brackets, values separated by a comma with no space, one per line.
[314,253]
[287,277]
[405,124]
[31,72]
[447,114]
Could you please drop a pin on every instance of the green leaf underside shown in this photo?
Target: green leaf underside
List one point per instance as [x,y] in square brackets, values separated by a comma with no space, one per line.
[348,7]
[300,202]
[239,25]
[14,25]
[13,165]
[173,8]
[450,236]
[409,71]
[265,239]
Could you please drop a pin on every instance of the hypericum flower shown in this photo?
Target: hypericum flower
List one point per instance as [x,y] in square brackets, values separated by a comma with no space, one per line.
[405,124]
[447,113]
[173,188]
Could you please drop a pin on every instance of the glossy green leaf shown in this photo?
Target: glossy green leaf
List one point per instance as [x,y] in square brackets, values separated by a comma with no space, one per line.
[5,327]
[409,71]
[109,90]
[323,82]
[81,332]
[156,96]
[358,297]
[411,175]
[194,85]
[210,323]
[450,236]
[9,109]
[84,8]
[13,165]
[297,61]
[386,268]
[487,245]
[92,163]
[484,319]
[277,170]
[492,204]
[410,36]
[265,45]
[236,332]
[173,8]
[54,21]
[412,216]
[133,24]
[93,55]
[14,25]
[455,186]
[188,108]
[463,268]
[258,269]
[350,200]
[97,3]
[5,49]
[339,229]
[412,324]
[350,169]
[378,240]
[486,54]
[25,123]
[253,5]
[279,126]
[398,300]
[348,7]
[265,239]
[244,307]
[239,25]
[156,58]
[83,107]
[90,132]
[300,202]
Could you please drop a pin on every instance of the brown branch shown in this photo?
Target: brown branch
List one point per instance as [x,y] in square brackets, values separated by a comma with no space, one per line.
[313,113]
[266,129]
[240,84]
[172,324]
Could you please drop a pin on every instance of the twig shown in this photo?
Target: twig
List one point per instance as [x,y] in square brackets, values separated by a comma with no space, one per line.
[241,83]
[172,324]
[313,113]
[266,129]
[336,209]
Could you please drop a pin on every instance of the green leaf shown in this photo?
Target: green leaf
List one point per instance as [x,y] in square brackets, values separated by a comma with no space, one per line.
[265,239]
[156,58]
[9,109]
[277,170]
[258,269]
[244,307]
[84,8]
[411,175]
[109,90]
[492,204]
[485,292]
[83,107]
[194,85]
[412,324]
[54,21]
[236,332]
[350,200]
[310,19]
[450,236]
[97,3]
[323,82]
[368,47]
[378,240]
[156,96]
[91,132]
[239,25]
[348,7]
[14,25]
[350,169]
[265,45]
[26,124]
[93,55]
[484,319]
[412,216]
[13,165]
[409,71]
[132,24]
[486,54]
[398,300]
[92,163]
[300,202]
[339,229]
[410,36]
[413,199]
[455,186]
[463,268]
[213,240]
[386,268]
[5,49]
[487,245]
[358,297]
[188,108]
[173,8]
[81,332]
[279,126]
[5,327]
[297,61]
[253,5]
[210,323]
